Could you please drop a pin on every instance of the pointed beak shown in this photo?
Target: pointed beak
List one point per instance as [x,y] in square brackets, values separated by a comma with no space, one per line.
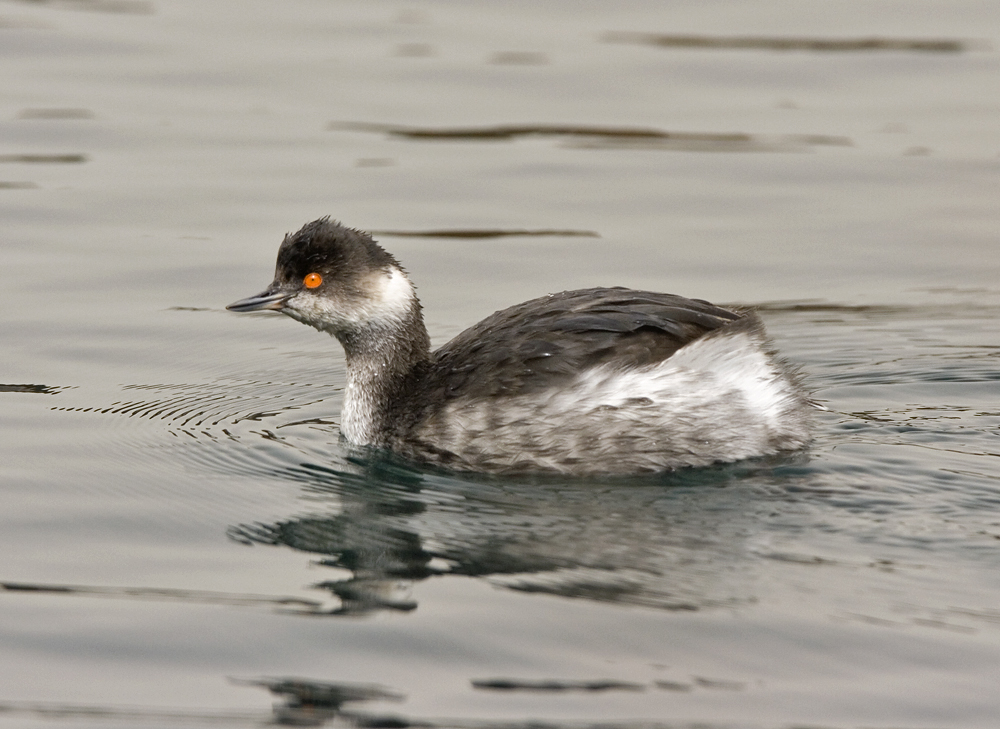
[273,298]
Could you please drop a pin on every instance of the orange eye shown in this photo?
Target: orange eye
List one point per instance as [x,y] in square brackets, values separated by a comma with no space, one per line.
[312,280]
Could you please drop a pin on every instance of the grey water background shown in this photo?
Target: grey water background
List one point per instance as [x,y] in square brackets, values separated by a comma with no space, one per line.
[182,533]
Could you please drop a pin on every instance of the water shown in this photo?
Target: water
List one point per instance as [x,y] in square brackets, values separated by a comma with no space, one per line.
[181,528]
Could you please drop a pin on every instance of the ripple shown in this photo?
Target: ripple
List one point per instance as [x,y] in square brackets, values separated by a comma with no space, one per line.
[208,405]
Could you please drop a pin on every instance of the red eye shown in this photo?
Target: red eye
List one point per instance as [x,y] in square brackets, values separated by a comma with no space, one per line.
[312,280]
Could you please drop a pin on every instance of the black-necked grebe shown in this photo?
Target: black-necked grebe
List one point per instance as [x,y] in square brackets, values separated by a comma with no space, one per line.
[595,381]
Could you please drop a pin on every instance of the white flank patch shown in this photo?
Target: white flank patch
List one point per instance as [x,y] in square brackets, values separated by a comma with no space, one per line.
[696,374]
[737,362]
[671,389]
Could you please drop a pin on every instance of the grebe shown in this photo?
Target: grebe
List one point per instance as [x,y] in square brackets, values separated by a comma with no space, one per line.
[595,381]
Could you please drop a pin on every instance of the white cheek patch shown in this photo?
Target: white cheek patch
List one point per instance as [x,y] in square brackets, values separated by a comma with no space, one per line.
[394,294]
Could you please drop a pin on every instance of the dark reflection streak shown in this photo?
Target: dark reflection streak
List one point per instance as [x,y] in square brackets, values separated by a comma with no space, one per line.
[818,306]
[310,421]
[307,692]
[485,233]
[132,714]
[126,7]
[294,712]
[511,131]
[923,45]
[606,137]
[514,684]
[688,145]
[714,683]
[34,389]
[960,347]
[163,594]
[65,113]
[519,58]
[672,686]
[43,158]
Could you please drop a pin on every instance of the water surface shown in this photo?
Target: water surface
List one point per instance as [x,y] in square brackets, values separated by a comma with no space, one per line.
[186,539]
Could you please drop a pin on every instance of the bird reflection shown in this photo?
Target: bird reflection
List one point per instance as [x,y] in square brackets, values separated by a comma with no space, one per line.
[675,542]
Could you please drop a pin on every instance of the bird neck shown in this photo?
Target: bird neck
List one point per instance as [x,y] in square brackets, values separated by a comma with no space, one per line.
[380,356]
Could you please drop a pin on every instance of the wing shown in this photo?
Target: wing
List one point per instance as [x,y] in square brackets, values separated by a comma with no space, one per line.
[540,343]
